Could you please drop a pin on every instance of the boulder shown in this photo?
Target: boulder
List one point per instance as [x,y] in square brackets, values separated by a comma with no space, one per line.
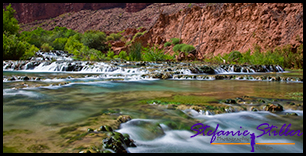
[274,107]
[123,118]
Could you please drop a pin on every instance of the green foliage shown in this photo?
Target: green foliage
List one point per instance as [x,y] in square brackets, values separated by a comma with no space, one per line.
[13,47]
[234,56]
[135,52]
[110,54]
[167,44]
[113,37]
[10,24]
[46,47]
[282,56]
[183,48]
[59,43]
[137,35]
[123,55]
[153,54]
[187,48]
[94,39]
[30,52]
[178,47]
[175,41]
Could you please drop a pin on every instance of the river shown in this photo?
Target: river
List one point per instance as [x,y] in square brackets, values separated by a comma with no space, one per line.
[41,108]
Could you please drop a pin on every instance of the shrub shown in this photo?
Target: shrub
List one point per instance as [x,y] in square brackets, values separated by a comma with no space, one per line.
[175,41]
[167,44]
[178,47]
[59,43]
[13,48]
[123,55]
[94,39]
[234,56]
[46,47]
[113,37]
[187,48]
[153,54]
[135,52]
[110,54]
[30,52]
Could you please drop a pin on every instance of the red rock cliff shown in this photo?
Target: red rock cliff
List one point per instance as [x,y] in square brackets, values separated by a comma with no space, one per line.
[222,28]
[28,12]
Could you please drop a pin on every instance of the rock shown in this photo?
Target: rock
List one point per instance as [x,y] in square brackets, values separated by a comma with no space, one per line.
[123,118]
[118,142]
[253,109]
[230,101]
[274,107]
[166,75]
[106,128]
[207,69]
[291,114]
[89,130]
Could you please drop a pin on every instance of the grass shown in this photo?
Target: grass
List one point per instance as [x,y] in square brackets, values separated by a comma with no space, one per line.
[295,95]
[283,56]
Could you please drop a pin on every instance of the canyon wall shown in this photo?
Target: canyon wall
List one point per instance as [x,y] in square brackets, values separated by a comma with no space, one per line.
[221,28]
[28,12]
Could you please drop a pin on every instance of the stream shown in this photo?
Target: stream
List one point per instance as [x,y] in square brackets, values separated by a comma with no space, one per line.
[40,99]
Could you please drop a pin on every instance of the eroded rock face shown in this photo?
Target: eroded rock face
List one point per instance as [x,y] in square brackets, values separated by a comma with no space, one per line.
[225,27]
[28,12]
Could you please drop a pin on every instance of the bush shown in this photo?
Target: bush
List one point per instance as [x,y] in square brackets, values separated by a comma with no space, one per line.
[187,48]
[135,52]
[178,47]
[30,52]
[153,54]
[123,55]
[59,43]
[113,37]
[183,48]
[234,56]
[167,44]
[110,54]
[175,41]
[13,48]
[94,39]
[46,47]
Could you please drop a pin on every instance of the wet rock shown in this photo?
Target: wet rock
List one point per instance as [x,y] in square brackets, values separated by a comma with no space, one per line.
[207,69]
[118,142]
[230,101]
[25,78]
[253,109]
[166,75]
[291,114]
[89,130]
[12,78]
[123,118]
[106,128]
[274,107]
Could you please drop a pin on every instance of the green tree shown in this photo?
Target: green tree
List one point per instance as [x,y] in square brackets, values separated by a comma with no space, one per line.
[10,23]
[59,43]
[46,47]
[13,48]
[94,39]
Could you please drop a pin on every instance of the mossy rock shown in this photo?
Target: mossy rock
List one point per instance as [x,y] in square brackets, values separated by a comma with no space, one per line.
[123,118]
[106,128]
